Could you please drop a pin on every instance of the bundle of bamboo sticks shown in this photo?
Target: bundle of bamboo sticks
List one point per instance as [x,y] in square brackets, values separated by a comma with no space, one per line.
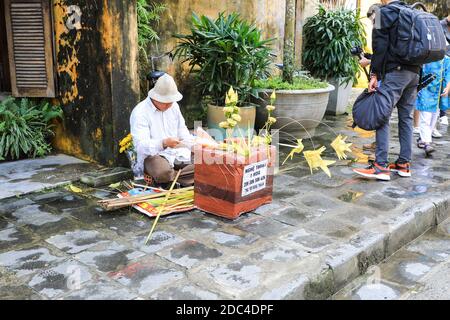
[177,200]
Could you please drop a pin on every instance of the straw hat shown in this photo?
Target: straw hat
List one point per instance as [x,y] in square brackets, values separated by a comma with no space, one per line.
[165,90]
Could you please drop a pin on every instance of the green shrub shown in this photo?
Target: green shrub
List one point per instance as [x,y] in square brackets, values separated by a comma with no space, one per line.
[329,37]
[25,128]
[300,83]
[148,15]
[224,52]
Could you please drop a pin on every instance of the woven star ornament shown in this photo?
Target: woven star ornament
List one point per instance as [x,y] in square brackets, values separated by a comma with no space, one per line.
[297,150]
[341,146]
[315,161]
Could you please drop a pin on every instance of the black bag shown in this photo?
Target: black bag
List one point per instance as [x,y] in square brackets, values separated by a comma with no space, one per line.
[420,38]
[372,110]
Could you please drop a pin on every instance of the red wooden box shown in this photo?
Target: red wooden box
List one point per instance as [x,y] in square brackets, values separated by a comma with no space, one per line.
[228,185]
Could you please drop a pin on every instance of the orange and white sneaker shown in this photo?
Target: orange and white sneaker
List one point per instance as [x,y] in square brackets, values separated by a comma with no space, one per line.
[402,169]
[375,171]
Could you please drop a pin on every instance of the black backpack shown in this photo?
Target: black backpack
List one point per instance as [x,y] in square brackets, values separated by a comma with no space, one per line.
[420,37]
[372,110]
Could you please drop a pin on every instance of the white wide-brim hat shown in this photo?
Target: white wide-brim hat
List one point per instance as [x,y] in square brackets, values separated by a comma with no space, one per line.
[165,90]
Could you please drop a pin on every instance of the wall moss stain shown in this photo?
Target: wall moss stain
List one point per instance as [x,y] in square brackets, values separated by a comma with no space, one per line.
[84,78]
[68,144]
[98,82]
[66,52]
[106,22]
[133,67]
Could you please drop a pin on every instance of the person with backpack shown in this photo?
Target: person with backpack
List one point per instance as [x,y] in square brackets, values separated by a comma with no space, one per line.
[446,27]
[431,100]
[403,40]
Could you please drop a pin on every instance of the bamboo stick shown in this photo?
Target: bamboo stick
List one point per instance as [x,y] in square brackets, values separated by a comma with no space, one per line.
[147,187]
[110,204]
[178,204]
[149,196]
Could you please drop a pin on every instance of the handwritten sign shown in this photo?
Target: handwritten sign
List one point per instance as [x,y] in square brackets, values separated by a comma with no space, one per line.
[255,178]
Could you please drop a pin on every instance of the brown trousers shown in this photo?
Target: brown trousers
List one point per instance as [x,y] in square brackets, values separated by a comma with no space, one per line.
[160,170]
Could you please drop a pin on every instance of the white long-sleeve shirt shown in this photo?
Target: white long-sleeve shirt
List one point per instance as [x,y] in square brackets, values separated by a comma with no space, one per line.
[149,128]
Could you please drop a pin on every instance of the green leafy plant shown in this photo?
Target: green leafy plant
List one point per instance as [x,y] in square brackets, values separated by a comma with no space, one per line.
[148,15]
[329,37]
[299,83]
[25,127]
[223,53]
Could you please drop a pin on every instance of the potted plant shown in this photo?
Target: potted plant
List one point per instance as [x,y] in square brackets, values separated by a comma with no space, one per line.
[329,37]
[301,104]
[302,101]
[224,52]
[236,176]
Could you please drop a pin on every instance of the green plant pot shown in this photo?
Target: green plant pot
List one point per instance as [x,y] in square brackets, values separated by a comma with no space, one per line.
[216,116]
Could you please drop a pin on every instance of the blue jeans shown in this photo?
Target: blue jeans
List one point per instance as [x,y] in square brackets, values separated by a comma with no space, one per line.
[402,86]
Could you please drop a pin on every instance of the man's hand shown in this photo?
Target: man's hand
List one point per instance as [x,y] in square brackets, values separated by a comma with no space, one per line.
[171,143]
[373,84]
[446,92]
[364,62]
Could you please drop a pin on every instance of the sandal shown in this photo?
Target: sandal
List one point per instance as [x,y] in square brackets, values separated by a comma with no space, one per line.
[429,150]
[420,144]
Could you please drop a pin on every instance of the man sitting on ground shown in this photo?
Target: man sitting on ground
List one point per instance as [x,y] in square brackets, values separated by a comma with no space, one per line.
[160,135]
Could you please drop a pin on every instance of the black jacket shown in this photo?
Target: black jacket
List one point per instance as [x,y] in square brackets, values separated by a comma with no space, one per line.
[383,36]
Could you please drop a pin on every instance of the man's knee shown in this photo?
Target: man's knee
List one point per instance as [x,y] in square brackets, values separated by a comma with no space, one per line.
[164,176]
[159,169]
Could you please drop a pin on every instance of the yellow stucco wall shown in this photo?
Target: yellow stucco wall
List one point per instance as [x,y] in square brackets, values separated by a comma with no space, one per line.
[268,15]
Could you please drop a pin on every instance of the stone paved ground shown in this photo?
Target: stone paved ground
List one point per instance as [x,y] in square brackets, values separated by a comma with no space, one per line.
[20,177]
[318,235]
[420,271]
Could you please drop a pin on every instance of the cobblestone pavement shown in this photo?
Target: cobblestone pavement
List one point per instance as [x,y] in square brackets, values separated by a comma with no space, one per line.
[318,235]
[420,271]
[20,177]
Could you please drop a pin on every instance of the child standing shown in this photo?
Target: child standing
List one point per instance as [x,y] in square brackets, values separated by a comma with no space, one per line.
[432,99]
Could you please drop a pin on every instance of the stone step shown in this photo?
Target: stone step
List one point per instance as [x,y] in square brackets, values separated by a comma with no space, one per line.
[417,271]
[106,176]
[352,261]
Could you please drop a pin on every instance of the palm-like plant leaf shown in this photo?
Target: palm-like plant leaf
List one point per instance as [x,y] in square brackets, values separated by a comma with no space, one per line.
[224,52]
[329,37]
[24,127]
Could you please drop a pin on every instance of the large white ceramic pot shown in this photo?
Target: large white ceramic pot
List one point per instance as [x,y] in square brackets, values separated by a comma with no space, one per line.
[298,112]
[340,97]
